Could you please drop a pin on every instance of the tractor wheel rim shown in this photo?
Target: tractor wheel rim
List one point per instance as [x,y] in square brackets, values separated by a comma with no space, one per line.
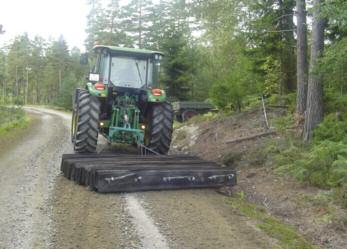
[74,125]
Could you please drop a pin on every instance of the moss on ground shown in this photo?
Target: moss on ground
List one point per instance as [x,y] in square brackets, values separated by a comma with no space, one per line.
[286,235]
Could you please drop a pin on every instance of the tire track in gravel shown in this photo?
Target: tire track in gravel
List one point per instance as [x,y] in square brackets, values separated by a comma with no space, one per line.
[148,231]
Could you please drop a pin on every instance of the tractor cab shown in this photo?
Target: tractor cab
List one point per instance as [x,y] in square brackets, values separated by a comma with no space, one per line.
[126,67]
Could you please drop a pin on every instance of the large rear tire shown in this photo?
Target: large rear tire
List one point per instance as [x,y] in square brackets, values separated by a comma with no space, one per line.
[85,122]
[159,127]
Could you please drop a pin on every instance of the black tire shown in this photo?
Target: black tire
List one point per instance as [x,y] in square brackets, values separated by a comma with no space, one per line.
[85,123]
[159,127]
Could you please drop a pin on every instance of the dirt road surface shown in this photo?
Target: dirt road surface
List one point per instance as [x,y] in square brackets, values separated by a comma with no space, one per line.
[39,208]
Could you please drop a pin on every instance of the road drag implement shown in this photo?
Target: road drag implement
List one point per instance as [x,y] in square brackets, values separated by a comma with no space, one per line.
[128,173]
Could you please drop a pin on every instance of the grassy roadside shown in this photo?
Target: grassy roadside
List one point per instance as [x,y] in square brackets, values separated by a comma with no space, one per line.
[287,236]
[12,119]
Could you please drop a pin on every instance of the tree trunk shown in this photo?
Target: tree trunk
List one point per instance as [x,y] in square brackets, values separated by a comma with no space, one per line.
[140,23]
[287,56]
[314,111]
[301,63]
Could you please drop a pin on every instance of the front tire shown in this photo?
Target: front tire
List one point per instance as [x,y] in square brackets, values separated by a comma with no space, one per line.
[85,123]
[159,127]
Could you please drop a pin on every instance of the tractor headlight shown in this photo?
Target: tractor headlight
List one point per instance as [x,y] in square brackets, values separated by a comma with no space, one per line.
[157,92]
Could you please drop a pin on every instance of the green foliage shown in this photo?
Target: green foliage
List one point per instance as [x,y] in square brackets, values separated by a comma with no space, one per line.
[11,117]
[327,164]
[335,11]
[335,102]
[178,65]
[323,164]
[341,195]
[333,66]
[285,122]
[288,100]
[228,93]
[272,70]
[252,101]
[333,128]
[230,72]
[64,98]
[269,30]
[106,25]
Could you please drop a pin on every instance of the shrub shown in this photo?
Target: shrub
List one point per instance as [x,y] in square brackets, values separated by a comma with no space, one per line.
[227,95]
[11,117]
[332,128]
[335,102]
[323,165]
[326,164]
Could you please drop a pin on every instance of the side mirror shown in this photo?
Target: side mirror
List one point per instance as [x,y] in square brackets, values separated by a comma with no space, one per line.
[84,59]
[94,77]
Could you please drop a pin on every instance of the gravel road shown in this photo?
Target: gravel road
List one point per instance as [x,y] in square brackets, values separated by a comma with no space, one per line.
[39,208]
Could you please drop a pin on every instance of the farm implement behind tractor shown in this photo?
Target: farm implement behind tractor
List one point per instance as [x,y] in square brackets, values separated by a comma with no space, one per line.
[124,102]
[126,173]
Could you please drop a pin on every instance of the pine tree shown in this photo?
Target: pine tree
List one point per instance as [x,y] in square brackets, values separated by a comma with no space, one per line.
[177,65]
[136,21]
[17,61]
[314,110]
[302,64]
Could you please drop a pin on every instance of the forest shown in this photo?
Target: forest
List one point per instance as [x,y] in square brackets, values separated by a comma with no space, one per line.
[228,52]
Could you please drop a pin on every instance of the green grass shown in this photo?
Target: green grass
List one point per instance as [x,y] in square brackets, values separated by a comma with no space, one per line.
[286,235]
[12,118]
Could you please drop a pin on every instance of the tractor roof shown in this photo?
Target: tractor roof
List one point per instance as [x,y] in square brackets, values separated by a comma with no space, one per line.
[127,51]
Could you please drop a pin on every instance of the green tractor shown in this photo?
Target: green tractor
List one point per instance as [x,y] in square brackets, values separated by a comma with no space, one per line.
[123,101]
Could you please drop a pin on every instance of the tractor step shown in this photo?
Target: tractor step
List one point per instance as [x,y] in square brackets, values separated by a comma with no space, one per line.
[128,173]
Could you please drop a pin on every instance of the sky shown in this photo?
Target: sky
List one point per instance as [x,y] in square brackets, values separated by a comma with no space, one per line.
[47,18]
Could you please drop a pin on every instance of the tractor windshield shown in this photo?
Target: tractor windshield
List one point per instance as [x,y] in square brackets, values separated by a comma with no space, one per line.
[131,72]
